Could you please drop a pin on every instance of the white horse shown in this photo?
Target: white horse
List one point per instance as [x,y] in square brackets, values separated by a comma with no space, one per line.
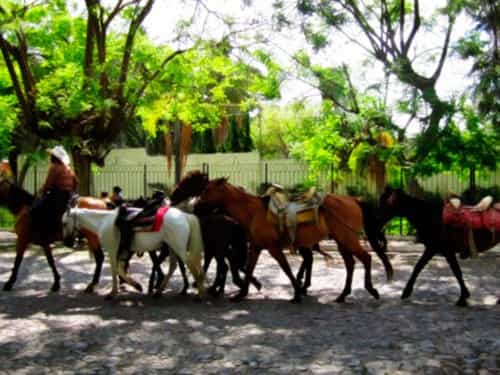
[179,230]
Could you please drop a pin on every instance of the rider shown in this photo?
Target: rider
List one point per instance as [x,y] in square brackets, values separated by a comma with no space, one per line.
[117,196]
[56,193]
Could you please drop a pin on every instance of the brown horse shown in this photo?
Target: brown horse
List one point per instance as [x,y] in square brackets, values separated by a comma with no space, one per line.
[19,202]
[340,217]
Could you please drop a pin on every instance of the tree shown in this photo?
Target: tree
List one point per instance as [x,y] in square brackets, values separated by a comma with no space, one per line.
[389,29]
[77,80]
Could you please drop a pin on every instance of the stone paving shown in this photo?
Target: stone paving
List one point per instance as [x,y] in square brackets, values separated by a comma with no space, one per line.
[72,332]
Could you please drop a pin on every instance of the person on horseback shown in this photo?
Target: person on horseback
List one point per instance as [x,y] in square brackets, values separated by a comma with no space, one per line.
[60,184]
[117,196]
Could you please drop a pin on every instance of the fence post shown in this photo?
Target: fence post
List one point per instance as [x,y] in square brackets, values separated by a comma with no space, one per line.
[266,174]
[332,184]
[401,185]
[145,179]
[35,182]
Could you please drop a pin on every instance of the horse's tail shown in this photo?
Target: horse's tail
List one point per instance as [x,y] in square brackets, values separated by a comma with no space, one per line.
[375,235]
[195,249]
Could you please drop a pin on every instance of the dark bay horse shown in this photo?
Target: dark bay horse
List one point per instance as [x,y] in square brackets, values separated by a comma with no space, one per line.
[223,237]
[340,218]
[438,238]
[19,202]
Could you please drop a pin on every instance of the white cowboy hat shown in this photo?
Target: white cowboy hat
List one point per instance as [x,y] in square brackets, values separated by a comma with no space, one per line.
[60,153]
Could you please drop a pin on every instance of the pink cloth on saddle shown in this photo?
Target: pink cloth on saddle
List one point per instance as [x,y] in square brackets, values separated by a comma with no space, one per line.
[465,217]
[159,218]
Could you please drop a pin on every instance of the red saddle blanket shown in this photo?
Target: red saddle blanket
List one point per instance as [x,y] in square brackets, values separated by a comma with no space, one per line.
[464,216]
[159,218]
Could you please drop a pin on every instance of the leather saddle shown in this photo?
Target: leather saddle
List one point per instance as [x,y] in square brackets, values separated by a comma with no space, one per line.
[287,211]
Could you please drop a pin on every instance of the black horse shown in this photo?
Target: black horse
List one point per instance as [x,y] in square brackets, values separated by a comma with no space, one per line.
[438,238]
[223,237]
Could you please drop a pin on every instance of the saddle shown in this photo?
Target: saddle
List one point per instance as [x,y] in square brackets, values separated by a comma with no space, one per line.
[484,215]
[286,212]
[148,219]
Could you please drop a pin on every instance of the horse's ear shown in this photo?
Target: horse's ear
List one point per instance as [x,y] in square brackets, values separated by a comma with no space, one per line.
[392,199]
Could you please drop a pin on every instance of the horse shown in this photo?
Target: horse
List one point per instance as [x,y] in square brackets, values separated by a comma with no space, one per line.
[179,230]
[340,217]
[19,202]
[156,276]
[223,238]
[438,238]
[195,182]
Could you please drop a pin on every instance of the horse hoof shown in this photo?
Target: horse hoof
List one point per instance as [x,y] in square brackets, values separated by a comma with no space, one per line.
[109,296]
[406,294]
[89,289]
[374,293]
[183,292]
[462,302]
[303,291]
[55,288]
[138,287]
[156,295]
[296,299]
[7,287]
[238,298]
[340,299]
[258,286]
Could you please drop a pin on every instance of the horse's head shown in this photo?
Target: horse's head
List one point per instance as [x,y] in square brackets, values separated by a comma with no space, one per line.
[215,191]
[69,227]
[190,186]
[391,204]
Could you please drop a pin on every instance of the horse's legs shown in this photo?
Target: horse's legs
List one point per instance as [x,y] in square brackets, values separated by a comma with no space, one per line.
[21,246]
[219,283]
[50,260]
[114,275]
[366,259]
[277,254]
[99,259]
[424,259]
[154,270]
[455,267]
[349,266]
[378,242]
[126,277]
[184,278]
[171,268]
[252,257]
[306,266]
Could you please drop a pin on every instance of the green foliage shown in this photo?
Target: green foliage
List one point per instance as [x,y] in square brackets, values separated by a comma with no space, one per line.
[465,144]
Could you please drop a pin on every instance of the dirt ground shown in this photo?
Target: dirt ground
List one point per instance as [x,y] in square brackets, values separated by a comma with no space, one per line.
[72,332]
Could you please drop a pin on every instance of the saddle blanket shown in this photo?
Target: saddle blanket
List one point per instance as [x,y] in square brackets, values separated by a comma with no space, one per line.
[159,218]
[466,217]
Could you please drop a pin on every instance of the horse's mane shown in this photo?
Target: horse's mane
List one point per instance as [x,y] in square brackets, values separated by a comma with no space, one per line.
[190,186]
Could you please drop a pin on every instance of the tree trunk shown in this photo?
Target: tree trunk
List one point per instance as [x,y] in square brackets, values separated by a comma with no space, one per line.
[82,165]
[177,141]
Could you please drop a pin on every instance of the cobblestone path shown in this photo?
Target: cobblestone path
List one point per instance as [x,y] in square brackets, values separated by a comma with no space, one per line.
[72,332]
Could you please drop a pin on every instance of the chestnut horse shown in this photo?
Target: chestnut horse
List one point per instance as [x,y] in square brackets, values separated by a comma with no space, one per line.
[426,217]
[19,202]
[340,217]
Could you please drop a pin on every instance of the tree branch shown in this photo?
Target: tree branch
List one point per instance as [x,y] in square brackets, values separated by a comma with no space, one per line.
[416,26]
[444,52]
